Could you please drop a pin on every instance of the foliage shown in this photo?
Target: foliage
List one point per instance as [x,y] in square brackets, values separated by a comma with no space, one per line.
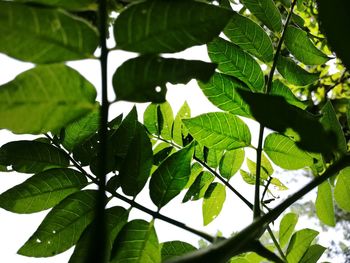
[272,67]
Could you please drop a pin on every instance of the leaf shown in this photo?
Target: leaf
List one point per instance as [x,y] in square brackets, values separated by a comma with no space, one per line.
[266,11]
[62,226]
[42,191]
[151,120]
[279,89]
[152,73]
[213,202]
[286,228]
[235,62]
[168,26]
[196,169]
[249,36]
[137,164]
[167,120]
[295,74]
[218,130]
[115,123]
[299,244]
[313,254]
[199,187]
[334,16]
[221,90]
[324,204]
[214,157]
[80,130]
[299,44]
[44,98]
[32,156]
[284,152]
[266,169]
[231,162]
[161,152]
[176,248]
[171,176]
[342,189]
[179,130]
[44,35]
[116,218]
[136,242]
[78,5]
[275,113]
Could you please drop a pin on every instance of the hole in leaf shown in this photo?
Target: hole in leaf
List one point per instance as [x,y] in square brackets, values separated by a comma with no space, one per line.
[53,231]
[38,240]
[158,89]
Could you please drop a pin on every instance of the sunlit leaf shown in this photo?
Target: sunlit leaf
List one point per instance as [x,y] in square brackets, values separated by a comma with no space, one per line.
[221,91]
[249,36]
[218,130]
[44,35]
[152,73]
[42,191]
[213,202]
[342,189]
[136,242]
[279,89]
[235,62]
[167,120]
[324,204]
[231,162]
[214,157]
[266,11]
[300,45]
[44,98]
[171,176]
[179,130]
[313,254]
[63,225]
[176,248]
[32,156]
[151,120]
[168,26]
[199,187]
[299,244]
[196,169]
[286,228]
[295,74]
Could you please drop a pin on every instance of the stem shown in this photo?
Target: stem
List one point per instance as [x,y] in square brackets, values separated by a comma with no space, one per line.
[277,245]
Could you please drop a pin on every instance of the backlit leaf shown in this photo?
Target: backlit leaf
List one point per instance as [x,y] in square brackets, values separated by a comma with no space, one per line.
[286,228]
[168,26]
[299,244]
[196,169]
[313,254]
[152,73]
[199,187]
[218,130]
[42,191]
[179,129]
[32,156]
[171,176]
[213,202]
[301,47]
[231,162]
[176,248]
[279,89]
[249,36]
[150,119]
[324,204]
[44,35]
[342,190]
[235,62]
[167,120]
[214,157]
[62,226]
[44,99]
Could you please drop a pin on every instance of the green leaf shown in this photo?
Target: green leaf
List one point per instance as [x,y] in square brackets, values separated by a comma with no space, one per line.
[335,23]
[199,187]
[266,11]
[313,254]
[213,202]
[221,91]
[179,130]
[116,218]
[266,169]
[44,99]
[214,157]
[301,47]
[231,162]
[62,226]
[150,119]
[42,191]
[79,131]
[167,120]
[284,152]
[152,73]
[196,169]
[218,130]
[44,35]
[295,74]
[249,36]
[235,62]
[137,164]
[78,5]
[168,26]
[286,228]
[136,242]
[171,176]
[299,244]
[342,189]
[176,248]
[161,152]
[32,156]
[279,89]
[324,204]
